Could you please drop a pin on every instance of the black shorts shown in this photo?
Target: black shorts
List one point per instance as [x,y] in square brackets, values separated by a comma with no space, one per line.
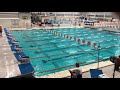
[79,76]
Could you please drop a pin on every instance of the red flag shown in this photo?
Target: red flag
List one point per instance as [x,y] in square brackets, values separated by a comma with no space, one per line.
[83,41]
[88,43]
[78,40]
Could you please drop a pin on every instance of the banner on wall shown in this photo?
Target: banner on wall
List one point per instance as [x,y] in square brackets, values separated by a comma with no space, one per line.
[25,17]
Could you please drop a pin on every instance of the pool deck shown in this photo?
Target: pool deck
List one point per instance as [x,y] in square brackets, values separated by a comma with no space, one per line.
[107,70]
[47,27]
[8,63]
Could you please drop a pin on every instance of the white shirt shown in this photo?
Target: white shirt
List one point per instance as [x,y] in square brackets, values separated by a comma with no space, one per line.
[78,71]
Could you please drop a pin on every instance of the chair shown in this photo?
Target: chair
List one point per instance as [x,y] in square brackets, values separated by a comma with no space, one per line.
[95,73]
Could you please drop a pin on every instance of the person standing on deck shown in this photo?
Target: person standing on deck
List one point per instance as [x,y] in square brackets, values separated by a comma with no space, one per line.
[0,30]
[117,64]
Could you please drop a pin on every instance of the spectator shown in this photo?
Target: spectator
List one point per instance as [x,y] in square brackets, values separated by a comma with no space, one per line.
[117,63]
[76,73]
[0,30]
[58,24]
[75,23]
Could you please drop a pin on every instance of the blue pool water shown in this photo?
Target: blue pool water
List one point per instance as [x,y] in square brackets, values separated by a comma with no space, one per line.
[50,53]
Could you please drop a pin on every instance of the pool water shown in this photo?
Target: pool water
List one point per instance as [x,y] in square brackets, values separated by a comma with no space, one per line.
[50,53]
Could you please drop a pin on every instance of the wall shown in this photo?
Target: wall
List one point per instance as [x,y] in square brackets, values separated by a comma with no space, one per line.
[5,22]
[15,20]
[24,23]
[60,17]
[5,18]
[116,15]
[60,13]
[9,14]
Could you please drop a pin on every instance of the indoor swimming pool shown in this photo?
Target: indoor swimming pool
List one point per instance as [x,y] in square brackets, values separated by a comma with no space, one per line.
[51,52]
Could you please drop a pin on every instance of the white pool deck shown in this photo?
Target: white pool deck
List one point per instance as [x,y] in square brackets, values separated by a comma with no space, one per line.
[8,63]
[37,27]
[9,66]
